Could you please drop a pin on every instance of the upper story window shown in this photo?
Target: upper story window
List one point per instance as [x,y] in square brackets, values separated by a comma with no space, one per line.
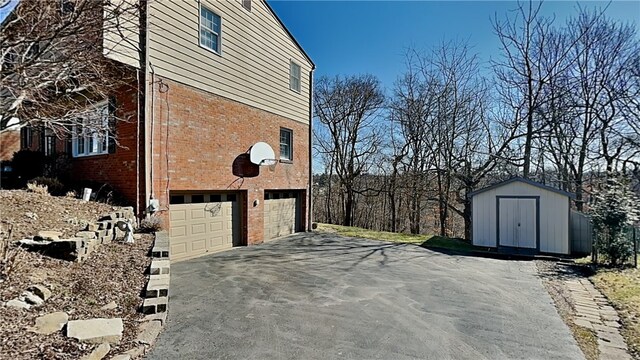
[210,29]
[246,4]
[286,144]
[92,137]
[294,77]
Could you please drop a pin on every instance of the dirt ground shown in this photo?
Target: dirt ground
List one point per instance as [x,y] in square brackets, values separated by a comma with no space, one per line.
[553,275]
[113,272]
[26,213]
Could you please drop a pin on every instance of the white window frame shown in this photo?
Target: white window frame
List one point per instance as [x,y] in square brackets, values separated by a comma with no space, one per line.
[98,147]
[201,27]
[290,145]
[292,66]
[246,4]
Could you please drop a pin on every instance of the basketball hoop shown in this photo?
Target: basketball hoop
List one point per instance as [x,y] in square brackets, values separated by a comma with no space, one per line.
[270,163]
[262,154]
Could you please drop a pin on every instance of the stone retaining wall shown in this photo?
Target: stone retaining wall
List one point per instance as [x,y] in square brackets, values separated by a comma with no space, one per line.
[156,298]
[101,232]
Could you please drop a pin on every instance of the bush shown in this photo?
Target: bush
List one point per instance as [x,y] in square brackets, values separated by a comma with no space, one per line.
[615,210]
[54,185]
[27,165]
[150,225]
[38,189]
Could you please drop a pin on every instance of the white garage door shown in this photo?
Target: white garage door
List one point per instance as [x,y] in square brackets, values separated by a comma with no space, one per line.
[202,223]
[281,215]
[517,222]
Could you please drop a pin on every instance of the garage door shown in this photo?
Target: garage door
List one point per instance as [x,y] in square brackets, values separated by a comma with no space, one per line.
[517,222]
[281,215]
[203,223]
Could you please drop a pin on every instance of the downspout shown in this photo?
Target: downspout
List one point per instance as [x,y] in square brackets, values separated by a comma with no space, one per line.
[310,192]
[143,59]
[147,148]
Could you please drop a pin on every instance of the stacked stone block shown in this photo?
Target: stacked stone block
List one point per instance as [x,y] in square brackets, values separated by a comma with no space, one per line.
[102,232]
[157,291]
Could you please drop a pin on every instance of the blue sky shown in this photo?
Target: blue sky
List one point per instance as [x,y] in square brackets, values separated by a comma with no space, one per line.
[354,37]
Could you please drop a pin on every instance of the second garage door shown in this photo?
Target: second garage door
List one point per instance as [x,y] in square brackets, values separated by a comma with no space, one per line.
[203,223]
[281,213]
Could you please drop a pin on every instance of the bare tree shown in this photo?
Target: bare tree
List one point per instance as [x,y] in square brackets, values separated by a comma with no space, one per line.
[348,110]
[531,56]
[56,60]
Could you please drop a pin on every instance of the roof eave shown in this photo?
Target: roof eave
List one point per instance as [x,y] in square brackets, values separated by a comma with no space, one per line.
[313,65]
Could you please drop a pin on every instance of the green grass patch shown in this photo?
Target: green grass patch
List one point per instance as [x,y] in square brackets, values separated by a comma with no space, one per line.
[427,241]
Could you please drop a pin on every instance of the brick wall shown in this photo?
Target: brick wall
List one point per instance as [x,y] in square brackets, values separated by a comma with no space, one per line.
[197,137]
[9,144]
[118,168]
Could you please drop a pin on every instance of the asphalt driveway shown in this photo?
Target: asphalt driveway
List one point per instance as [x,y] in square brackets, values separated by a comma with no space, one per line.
[319,296]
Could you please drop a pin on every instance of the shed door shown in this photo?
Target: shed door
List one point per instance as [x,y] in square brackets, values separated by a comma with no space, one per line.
[517,223]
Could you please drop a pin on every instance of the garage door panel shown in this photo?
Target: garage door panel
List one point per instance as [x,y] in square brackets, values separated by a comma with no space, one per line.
[197,213]
[215,226]
[216,241]
[178,249]
[198,245]
[178,215]
[197,229]
[178,230]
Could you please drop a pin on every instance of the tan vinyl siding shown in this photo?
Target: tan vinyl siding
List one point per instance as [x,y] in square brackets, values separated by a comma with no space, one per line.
[121,40]
[253,67]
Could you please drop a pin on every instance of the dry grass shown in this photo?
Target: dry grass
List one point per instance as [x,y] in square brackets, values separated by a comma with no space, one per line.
[622,288]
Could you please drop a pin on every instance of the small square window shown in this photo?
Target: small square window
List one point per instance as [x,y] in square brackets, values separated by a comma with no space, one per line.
[197,199]
[176,199]
[246,4]
[294,77]
[215,198]
[231,197]
[286,144]
[210,29]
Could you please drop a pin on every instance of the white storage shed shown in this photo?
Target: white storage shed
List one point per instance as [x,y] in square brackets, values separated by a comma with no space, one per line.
[523,216]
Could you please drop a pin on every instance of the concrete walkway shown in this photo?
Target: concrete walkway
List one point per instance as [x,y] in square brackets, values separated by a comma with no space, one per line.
[594,312]
[321,296]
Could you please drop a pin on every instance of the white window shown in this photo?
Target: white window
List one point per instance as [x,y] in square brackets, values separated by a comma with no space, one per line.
[294,77]
[210,24]
[286,144]
[92,137]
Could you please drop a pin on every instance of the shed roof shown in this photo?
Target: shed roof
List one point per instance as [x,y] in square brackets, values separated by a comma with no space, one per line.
[526,181]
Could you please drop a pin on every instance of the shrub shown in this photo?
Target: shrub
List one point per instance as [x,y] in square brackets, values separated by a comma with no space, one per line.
[54,185]
[28,164]
[151,224]
[614,211]
[10,256]
[38,189]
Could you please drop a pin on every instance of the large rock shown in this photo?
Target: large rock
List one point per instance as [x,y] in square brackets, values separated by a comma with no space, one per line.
[48,235]
[99,353]
[18,304]
[30,243]
[96,331]
[31,298]
[148,332]
[50,323]
[41,291]
[110,306]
